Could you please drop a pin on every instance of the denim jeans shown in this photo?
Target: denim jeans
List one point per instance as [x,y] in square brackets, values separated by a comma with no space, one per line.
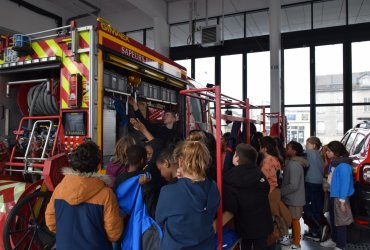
[313,210]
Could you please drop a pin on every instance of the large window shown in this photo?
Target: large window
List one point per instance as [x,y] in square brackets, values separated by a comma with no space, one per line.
[329,74]
[187,64]
[296,18]
[232,76]
[257,24]
[358,11]
[329,90]
[234,27]
[360,81]
[150,38]
[258,78]
[136,35]
[298,128]
[329,123]
[205,70]
[329,13]
[297,76]
[180,35]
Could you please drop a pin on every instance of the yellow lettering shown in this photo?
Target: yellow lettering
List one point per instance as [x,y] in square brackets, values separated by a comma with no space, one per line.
[114,32]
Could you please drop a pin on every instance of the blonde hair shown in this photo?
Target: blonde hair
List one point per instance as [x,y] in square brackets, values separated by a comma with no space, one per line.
[315,141]
[195,157]
[120,153]
[196,135]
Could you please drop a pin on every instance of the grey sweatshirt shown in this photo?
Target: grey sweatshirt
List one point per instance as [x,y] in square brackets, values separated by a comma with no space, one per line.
[292,188]
[316,167]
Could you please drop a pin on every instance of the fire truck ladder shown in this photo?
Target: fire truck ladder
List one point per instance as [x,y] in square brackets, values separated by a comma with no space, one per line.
[222,101]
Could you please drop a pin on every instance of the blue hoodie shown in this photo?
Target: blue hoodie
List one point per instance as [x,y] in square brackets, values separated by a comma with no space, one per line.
[342,180]
[186,211]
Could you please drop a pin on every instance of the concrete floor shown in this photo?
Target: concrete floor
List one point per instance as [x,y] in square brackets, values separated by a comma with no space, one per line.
[307,244]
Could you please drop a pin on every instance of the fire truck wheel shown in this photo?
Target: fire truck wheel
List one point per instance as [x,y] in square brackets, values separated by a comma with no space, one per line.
[25,226]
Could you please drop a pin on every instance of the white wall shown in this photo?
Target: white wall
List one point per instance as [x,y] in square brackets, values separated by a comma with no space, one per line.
[20,19]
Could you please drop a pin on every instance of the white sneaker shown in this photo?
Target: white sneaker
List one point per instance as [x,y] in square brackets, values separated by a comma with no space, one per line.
[298,247]
[328,243]
[285,241]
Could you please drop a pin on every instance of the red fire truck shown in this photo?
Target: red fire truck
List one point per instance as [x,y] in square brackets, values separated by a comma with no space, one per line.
[63,86]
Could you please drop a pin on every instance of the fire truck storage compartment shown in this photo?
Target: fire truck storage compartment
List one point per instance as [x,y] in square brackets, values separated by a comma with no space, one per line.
[116,81]
[25,99]
[109,133]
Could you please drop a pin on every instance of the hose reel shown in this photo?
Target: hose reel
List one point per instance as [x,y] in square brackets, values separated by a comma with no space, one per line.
[41,102]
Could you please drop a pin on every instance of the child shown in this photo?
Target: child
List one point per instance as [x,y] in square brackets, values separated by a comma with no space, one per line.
[83,211]
[270,164]
[292,188]
[136,159]
[313,210]
[167,164]
[341,188]
[138,202]
[246,192]
[119,163]
[187,207]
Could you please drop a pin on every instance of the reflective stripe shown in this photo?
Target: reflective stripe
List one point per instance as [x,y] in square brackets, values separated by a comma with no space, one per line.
[38,50]
[66,61]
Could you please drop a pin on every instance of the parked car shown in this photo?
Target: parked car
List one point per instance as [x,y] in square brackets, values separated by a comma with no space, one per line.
[357,142]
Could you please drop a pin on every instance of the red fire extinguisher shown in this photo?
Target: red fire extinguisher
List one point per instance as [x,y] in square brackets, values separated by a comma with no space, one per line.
[75,91]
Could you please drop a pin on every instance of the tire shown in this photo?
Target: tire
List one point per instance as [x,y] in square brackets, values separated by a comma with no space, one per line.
[25,230]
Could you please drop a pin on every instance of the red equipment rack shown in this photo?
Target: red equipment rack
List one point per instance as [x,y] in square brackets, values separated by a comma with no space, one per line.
[281,120]
[221,101]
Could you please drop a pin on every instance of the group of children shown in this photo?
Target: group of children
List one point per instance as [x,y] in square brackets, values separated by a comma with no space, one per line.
[163,196]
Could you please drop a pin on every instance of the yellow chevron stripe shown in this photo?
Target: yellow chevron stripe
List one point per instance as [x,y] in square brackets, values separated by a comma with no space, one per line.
[66,61]
[65,86]
[85,59]
[39,51]
[86,36]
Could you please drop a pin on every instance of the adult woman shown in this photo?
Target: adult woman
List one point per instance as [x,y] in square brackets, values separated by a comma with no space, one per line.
[186,208]
[341,188]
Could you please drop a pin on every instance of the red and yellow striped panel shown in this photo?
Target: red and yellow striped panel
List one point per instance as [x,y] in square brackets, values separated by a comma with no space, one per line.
[59,47]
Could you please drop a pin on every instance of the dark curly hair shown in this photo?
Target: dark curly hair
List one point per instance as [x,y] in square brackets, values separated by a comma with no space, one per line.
[338,149]
[86,157]
[297,147]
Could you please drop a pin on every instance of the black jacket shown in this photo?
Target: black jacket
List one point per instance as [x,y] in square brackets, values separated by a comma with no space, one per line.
[245,194]
[159,130]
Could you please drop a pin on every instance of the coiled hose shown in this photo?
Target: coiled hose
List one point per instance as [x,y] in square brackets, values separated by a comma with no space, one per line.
[40,102]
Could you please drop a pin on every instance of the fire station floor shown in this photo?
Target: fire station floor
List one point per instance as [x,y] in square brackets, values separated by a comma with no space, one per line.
[307,244]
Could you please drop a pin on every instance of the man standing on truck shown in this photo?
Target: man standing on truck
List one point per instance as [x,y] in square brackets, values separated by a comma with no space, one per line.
[166,131]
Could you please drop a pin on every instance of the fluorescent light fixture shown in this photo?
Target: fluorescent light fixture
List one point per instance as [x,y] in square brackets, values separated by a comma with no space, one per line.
[123,62]
[149,72]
